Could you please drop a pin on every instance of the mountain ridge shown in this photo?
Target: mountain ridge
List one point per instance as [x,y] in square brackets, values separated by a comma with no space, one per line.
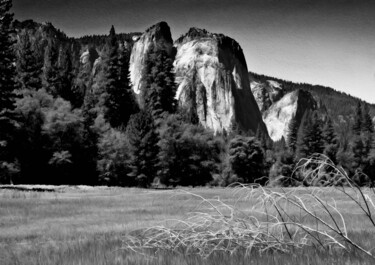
[291,86]
[89,39]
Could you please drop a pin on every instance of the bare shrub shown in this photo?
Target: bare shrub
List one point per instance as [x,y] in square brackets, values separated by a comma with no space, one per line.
[264,220]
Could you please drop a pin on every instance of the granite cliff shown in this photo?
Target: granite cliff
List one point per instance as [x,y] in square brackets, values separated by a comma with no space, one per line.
[279,113]
[212,79]
[158,35]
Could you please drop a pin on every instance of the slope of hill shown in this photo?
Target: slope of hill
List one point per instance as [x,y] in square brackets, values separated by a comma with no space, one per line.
[338,104]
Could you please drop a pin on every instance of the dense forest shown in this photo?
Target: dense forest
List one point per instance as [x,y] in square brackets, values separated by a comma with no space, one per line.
[68,115]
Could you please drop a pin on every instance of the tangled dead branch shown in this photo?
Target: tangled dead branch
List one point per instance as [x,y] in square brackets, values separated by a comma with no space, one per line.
[280,220]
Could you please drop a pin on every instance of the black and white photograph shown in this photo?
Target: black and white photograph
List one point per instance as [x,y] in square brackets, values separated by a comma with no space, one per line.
[187,132]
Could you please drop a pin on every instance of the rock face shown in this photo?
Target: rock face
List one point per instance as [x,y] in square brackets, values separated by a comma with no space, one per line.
[266,93]
[278,115]
[213,82]
[89,56]
[158,35]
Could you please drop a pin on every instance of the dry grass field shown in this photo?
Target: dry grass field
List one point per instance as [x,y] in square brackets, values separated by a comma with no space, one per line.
[89,225]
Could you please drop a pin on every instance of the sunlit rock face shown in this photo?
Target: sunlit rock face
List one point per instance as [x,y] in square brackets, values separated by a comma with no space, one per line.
[277,116]
[212,81]
[158,35]
[89,56]
[266,93]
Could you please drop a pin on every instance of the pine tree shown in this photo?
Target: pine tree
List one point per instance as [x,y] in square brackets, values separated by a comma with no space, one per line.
[280,145]
[261,136]
[367,124]
[310,136]
[317,141]
[143,140]
[28,67]
[330,140]
[112,73]
[7,87]
[7,59]
[367,130]
[119,100]
[50,76]
[357,126]
[359,151]
[301,148]
[65,76]
[292,134]
[329,135]
[160,88]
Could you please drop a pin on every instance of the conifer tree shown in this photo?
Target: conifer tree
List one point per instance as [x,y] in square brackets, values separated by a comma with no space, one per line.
[367,130]
[302,148]
[280,145]
[292,134]
[357,126]
[329,135]
[50,68]
[330,140]
[360,153]
[261,136]
[160,87]
[367,124]
[144,149]
[7,59]
[66,76]
[310,137]
[112,73]
[7,87]
[28,67]
[119,100]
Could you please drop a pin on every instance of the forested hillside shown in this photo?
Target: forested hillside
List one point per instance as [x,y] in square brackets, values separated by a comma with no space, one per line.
[337,103]
[69,115]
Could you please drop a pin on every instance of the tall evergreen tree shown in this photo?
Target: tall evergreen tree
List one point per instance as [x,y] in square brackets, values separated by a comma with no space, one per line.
[261,136]
[367,124]
[50,76]
[65,76]
[367,130]
[7,59]
[360,153]
[330,140]
[357,126]
[119,101]
[280,145]
[143,140]
[28,66]
[329,135]
[112,73]
[292,134]
[310,137]
[160,88]
[7,86]
[301,148]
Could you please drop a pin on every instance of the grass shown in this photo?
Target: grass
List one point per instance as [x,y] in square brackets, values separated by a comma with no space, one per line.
[92,226]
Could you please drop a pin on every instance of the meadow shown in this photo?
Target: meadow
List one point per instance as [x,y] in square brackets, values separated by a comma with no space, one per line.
[84,225]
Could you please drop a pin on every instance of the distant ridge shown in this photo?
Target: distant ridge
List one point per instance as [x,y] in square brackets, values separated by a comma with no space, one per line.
[336,102]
